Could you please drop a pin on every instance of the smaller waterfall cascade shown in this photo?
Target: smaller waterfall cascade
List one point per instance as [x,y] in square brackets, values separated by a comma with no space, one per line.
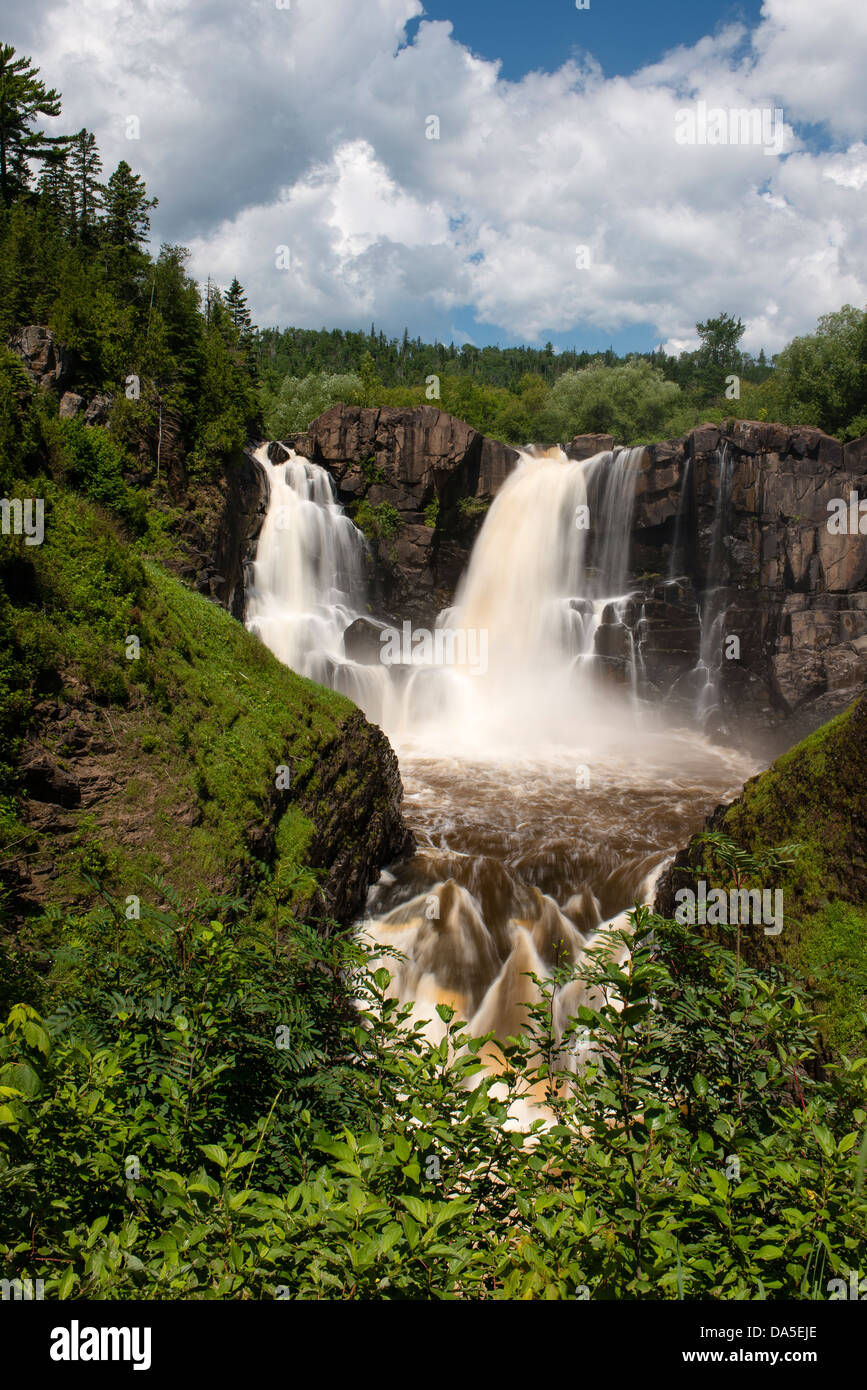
[308,576]
[675,564]
[712,613]
[309,581]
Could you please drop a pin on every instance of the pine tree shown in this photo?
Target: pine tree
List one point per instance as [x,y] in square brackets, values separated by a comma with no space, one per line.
[89,193]
[236,303]
[127,206]
[23,97]
[56,187]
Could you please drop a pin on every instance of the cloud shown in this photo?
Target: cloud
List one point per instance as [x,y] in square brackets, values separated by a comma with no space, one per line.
[309,127]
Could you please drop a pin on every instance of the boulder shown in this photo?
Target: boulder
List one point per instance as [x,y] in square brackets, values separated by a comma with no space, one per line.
[98,409]
[70,405]
[46,361]
[362,641]
[586,446]
[46,780]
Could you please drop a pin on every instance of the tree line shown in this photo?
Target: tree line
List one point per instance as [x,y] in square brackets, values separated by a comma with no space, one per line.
[180,372]
[524,394]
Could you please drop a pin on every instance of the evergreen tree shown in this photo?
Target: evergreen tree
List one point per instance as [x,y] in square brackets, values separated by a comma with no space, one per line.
[88,192]
[56,186]
[23,97]
[236,303]
[127,206]
[245,333]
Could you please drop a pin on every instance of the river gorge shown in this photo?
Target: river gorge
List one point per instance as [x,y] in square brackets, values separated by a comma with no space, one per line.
[546,779]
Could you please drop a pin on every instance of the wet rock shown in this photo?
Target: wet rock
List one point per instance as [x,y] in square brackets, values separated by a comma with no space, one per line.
[362,641]
[585,446]
[613,640]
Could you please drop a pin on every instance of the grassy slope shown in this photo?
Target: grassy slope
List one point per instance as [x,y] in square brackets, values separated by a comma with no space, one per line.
[815,795]
[176,751]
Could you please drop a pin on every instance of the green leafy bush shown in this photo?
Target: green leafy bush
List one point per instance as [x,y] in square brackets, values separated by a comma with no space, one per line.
[379,521]
[95,467]
[300,399]
[195,1113]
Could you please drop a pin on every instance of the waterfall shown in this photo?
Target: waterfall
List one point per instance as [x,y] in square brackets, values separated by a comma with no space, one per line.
[308,576]
[543,793]
[309,580]
[518,650]
[547,572]
[713,608]
[680,523]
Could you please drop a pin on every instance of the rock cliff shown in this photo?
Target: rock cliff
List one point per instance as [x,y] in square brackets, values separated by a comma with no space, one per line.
[730,527]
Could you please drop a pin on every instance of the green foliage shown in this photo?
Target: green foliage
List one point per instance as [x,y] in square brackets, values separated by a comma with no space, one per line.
[23,98]
[528,395]
[72,258]
[194,1113]
[300,399]
[719,355]
[812,795]
[632,401]
[379,521]
[821,379]
[96,467]
[472,506]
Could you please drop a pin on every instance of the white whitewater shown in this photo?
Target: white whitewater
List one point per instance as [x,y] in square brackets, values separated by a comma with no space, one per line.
[545,794]
[309,571]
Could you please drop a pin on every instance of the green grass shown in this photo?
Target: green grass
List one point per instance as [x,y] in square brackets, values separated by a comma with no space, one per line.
[834,952]
[192,731]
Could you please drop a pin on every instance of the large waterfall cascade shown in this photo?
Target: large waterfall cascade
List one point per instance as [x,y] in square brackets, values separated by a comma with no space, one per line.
[544,791]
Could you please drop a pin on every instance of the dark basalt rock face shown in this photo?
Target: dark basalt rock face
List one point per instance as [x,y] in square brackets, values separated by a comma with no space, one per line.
[792,593]
[244,508]
[416,460]
[357,814]
[47,362]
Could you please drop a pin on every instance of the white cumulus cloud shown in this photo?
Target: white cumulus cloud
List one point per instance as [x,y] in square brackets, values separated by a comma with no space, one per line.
[308,126]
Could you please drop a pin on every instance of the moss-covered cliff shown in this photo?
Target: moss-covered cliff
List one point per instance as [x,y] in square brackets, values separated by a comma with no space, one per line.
[146,733]
[814,796]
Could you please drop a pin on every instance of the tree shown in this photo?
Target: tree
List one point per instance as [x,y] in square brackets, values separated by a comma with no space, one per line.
[127,206]
[23,97]
[822,378]
[56,186]
[632,401]
[88,192]
[719,341]
[718,356]
[236,303]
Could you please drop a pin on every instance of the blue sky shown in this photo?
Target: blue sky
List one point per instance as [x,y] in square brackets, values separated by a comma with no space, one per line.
[622,35]
[557,200]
